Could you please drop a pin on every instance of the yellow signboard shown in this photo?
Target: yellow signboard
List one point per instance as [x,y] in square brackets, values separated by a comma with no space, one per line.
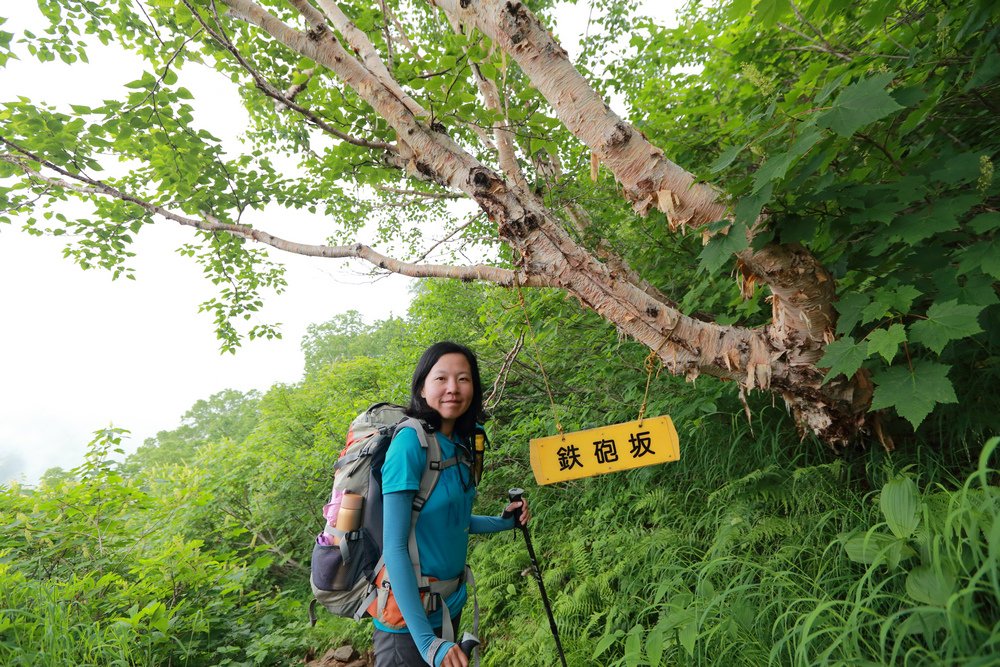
[597,451]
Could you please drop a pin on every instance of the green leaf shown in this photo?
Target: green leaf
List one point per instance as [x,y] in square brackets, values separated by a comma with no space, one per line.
[831,86]
[748,208]
[926,622]
[875,310]
[654,645]
[605,643]
[859,104]
[946,322]
[913,393]
[898,297]
[768,12]
[850,306]
[772,170]
[941,216]
[721,247]
[927,586]
[688,635]
[900,504]
[985,222]
[885,342]
[842,356]
[984,255]
[633,646]
[726,158]
[874,548]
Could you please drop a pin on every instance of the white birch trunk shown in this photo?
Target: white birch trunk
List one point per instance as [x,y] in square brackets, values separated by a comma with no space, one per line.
[780,357]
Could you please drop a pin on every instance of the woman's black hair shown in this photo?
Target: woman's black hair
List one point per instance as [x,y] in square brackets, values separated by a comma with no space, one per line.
[466,424]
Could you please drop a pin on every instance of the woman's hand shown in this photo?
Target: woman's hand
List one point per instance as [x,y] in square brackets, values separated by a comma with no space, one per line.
[524,516]
[455,657]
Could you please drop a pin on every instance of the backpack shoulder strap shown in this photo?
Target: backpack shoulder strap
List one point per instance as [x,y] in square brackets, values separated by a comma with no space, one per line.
[428,480]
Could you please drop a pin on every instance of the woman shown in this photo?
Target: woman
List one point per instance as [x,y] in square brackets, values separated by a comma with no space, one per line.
[446,393]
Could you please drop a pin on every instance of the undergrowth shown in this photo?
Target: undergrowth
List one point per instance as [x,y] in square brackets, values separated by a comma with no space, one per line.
[747,555]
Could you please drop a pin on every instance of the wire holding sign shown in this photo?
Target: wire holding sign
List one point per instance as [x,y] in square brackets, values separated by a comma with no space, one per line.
[598,451]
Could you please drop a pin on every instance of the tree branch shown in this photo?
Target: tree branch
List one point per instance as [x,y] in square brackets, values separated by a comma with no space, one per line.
[686,346]
[362,45]
[419,193]
[271,91]
[648,178]
[503,136]
[823,47]
[90,186]
[802,298]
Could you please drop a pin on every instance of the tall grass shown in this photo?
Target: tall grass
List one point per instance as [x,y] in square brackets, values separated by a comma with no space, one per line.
[743,553]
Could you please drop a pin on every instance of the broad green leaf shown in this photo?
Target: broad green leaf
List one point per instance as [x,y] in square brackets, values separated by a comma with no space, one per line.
[913,393]
[885,342]
[830,87]
[688,635]
[962,168]
[898,297]
[874,311]
[633,646]
[842,356]
[989,70]
[875,12]
[984,255]
[928,586]
[726,158]
[654,645]
[769,12]
[946,322]
[872,548]
[850,306]
[722,247]
[926,622]
[605,643]
[900,504]
[936,218]
[859,104]
[748,208]
[772,170]
[985,222]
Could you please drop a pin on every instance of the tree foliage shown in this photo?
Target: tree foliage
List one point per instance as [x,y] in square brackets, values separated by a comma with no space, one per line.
[851,147]
[744,552]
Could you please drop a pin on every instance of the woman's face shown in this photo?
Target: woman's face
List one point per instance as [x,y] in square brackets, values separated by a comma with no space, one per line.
[448,389]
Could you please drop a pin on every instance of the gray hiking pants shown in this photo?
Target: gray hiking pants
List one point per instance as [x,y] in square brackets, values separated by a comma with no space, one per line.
[397,649]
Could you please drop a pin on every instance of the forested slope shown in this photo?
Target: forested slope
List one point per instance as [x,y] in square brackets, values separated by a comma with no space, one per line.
[825,334]
[753,549]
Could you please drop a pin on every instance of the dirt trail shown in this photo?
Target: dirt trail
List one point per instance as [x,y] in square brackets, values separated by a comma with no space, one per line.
[343,656]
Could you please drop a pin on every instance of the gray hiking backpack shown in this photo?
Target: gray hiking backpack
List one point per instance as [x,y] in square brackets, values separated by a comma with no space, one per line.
[348,574]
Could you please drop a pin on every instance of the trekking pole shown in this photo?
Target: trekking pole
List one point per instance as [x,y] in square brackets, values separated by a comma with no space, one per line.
[515,495]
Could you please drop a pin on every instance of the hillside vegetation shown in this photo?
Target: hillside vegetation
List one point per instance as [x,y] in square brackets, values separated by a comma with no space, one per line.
[754,549]
[825,336]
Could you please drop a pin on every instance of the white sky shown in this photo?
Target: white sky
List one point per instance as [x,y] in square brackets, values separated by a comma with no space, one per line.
[79,351]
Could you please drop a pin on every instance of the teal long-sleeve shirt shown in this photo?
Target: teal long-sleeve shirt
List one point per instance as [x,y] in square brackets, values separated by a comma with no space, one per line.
[442,534]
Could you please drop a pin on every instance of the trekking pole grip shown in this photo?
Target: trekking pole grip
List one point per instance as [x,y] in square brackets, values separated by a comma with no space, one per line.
[516,495]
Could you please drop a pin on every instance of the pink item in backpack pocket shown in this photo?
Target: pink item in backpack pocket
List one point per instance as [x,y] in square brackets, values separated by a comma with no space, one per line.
[330,512]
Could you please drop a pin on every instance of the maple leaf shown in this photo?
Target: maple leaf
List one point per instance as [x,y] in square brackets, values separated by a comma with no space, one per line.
[946,322]
[886,342]
[842,356]
[913,393]
[859,104]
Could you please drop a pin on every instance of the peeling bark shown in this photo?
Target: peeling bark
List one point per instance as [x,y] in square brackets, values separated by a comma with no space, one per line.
[642,168]
[780,357]
[802,289]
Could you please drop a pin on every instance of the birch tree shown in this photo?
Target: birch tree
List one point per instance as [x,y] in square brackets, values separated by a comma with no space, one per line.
[393,110]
